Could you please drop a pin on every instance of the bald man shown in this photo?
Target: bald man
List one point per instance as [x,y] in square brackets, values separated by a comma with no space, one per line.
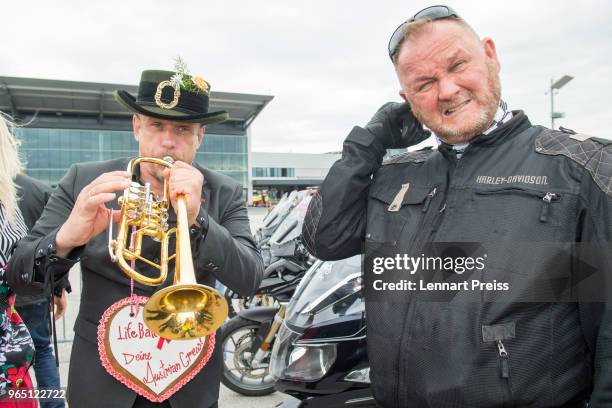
[496,182]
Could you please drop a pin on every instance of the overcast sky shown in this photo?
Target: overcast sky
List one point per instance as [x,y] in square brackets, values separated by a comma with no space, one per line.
[325,62]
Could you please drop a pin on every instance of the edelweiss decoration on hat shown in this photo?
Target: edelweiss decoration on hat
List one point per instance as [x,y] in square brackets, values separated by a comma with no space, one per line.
[172,95]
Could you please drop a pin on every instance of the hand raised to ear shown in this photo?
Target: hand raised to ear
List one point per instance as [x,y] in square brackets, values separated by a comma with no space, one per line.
[395,126]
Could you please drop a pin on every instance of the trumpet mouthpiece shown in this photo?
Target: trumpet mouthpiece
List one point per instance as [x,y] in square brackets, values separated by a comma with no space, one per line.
[169,159]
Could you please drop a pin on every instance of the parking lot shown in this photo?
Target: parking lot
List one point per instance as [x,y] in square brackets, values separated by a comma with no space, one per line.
[227,397]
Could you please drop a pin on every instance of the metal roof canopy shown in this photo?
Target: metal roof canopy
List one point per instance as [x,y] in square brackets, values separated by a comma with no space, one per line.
[91,105]
[286,182]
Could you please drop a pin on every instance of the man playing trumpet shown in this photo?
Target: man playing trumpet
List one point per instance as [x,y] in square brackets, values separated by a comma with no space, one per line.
[170,118]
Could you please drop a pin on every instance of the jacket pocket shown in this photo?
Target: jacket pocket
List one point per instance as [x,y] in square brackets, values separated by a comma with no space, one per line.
[538,351]
[396,211]
[548,198]
[498,335]
[522,215]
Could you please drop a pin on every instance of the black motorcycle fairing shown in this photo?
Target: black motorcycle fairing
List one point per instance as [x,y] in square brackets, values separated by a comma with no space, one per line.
[259,314]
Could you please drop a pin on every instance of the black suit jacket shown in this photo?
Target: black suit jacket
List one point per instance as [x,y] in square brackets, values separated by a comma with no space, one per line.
[33,196]
[226,251]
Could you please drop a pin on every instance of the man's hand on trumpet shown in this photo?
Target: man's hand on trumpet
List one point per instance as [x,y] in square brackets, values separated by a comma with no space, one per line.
[186,180]
[89,216]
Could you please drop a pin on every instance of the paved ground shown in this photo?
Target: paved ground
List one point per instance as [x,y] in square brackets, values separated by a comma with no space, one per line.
[228,398]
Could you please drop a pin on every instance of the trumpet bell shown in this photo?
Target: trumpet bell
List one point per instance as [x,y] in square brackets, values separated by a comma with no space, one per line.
[186,311]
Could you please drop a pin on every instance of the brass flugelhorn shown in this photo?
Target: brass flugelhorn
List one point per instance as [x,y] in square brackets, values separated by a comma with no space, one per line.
[185,309]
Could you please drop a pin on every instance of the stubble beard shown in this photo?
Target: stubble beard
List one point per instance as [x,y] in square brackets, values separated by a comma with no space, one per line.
[155,171]
[463,134]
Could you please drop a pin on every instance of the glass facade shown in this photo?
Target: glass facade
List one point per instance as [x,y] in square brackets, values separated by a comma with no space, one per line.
[50,152]
[273,172]
[227,154]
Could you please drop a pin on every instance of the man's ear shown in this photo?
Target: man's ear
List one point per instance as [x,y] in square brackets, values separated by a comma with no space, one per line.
[201,132]
[491,52]
[402,94]
[136,125]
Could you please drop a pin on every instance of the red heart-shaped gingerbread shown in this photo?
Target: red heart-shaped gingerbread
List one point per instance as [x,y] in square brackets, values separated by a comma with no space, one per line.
[152,366]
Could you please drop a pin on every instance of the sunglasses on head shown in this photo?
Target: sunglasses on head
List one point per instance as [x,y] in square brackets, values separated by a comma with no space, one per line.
[430,13]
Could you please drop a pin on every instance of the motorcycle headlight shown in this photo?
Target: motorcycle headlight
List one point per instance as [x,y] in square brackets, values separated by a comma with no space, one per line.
[309,363]
[300,362]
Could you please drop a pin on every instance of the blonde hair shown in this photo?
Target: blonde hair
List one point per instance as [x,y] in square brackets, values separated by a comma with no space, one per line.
[419,26]
[10,166]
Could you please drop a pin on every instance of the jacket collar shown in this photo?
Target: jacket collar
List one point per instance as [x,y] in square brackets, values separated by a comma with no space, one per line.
[502,134]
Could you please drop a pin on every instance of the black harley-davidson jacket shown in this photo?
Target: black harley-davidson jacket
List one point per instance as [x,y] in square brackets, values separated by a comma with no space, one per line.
[519,184]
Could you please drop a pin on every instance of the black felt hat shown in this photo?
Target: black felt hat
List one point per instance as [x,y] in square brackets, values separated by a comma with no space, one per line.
[171,96]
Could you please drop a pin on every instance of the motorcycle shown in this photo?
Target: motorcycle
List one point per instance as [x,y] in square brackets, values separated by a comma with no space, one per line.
[274,217]
[248,337]
[319,358]
[271,222]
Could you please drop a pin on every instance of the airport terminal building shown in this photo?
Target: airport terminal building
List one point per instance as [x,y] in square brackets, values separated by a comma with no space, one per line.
[67,122]
[277,173]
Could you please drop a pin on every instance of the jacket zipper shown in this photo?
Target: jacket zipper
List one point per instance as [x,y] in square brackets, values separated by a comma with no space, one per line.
[437,221]
[548,198]
[426,204]
[529,193]
[503,355]
[428,199]
[504,367]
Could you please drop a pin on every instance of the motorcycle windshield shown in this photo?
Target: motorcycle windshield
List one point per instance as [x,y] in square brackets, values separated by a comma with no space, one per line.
[291,227]
[329,290]
[280,210]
